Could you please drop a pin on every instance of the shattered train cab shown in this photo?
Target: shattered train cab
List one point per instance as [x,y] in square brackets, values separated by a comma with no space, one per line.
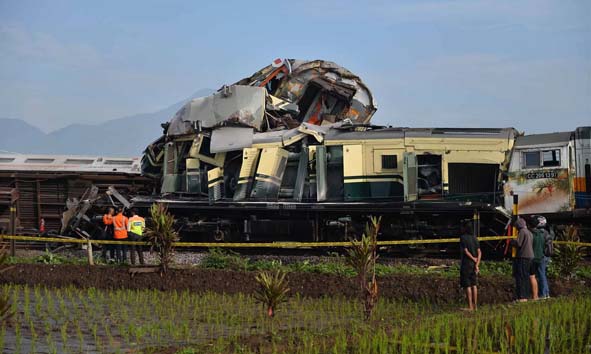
[283,101]
[289,153]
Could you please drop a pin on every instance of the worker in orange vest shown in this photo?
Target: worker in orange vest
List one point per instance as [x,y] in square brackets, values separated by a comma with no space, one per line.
[108,234]
[135,229]
[120,234]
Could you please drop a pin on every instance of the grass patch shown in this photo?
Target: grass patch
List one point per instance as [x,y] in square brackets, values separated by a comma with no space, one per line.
[71,320]
[336,265]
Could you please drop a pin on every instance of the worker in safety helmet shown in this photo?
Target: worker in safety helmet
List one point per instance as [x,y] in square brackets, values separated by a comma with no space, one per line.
[107,234]
[135,230]
[120,234]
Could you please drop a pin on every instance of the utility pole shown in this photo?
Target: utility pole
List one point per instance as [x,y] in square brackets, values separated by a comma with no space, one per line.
[14,195]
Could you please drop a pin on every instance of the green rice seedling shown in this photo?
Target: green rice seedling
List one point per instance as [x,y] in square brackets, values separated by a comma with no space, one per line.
[50,343]
[18,336]
[2,335]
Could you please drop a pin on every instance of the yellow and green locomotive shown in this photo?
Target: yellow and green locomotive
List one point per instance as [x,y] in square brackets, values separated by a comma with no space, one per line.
[289,154]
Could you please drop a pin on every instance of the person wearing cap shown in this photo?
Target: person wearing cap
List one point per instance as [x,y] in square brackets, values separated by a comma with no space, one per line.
[120,234]
[541,238]
[135,228]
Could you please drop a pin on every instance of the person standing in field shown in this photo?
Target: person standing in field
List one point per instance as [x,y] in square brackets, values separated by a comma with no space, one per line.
[525,256]
[543,250]
[135,229]
[120,234]
[108,234]
[469,264]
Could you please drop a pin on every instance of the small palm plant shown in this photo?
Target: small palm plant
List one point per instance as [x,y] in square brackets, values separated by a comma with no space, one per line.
[161,235]
[567,257]
[362,257]
[272,291]
[6,312]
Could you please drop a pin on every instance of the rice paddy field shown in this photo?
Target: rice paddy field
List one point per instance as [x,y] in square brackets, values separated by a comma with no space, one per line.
[74,320]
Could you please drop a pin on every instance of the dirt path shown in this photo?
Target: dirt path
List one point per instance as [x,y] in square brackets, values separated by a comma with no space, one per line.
[432,288]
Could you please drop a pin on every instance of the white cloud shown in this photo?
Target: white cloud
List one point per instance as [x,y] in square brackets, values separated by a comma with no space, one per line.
[19,43]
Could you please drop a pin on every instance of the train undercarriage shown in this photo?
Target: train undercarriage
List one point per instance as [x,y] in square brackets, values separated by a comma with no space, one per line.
[200,221]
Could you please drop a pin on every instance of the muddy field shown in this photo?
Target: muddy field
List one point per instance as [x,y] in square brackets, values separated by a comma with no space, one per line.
[433,288]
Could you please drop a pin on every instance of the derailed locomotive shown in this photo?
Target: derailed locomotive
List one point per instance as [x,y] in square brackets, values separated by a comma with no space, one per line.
[289,154]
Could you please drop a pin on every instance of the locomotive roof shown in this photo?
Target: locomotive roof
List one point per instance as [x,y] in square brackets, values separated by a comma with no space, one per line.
[543,139]
[69,163]
[360,133]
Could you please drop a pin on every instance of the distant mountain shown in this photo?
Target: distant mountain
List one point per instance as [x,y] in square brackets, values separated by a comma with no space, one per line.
[17,135]
[127,136]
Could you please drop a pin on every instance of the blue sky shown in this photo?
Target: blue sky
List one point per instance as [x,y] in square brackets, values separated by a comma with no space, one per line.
[429,63]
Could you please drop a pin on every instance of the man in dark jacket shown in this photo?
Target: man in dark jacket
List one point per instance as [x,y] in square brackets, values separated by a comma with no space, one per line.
[525,255]
[469,265]
[544,237]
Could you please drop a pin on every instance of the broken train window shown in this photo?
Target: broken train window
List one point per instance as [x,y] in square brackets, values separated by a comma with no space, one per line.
[551,158]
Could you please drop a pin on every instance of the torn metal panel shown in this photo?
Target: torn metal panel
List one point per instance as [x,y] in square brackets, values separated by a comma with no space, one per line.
[318,132]
[277,104]
[269,173]
[250,159]
[321,173]
[239,105]
[230,139]
[215,180]
[319,88]
[302,174]
[278,138]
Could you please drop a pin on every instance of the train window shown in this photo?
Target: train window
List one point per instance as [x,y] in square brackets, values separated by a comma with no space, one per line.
[389,161]
[79,162]
[551,158]
[35,160]
[531,159]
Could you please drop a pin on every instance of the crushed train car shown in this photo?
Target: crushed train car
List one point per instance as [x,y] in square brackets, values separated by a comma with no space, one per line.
[49,188]
[290,153]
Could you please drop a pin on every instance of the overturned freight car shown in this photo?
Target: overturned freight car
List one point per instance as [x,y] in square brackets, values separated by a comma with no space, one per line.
[289,154]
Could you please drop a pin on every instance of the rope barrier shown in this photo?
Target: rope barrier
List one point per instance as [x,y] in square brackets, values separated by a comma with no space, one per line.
[264,244]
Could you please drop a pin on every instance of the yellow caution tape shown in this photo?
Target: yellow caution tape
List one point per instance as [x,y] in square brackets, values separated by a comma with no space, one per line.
[582,244]
[264,244]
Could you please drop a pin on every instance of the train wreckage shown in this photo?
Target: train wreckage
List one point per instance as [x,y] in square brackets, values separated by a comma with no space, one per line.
[290,153]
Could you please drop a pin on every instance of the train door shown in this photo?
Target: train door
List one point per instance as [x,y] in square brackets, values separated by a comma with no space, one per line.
[429,176]
[410,176]
[582,180]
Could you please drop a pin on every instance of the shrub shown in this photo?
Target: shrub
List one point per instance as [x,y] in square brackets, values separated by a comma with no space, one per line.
[217,258]
[362,257]
[50,258]
[161,235]
[272,291]
[567,257]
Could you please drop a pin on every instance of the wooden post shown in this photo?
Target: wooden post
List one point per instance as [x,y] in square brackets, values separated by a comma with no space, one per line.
[476,223]
[515,216]
[12,228]
[89,250]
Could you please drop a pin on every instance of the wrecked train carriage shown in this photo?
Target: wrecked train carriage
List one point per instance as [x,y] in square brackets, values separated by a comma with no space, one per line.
[280,96]
[288,154]
[47,185]
[320,183]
